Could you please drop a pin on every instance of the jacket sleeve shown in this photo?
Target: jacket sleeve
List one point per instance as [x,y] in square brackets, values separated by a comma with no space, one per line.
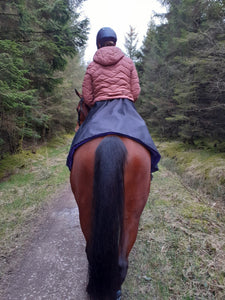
[87,89]
[135,86]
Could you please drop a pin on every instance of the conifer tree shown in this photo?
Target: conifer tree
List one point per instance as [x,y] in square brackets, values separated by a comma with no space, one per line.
[131,43]
[183,78]
[37,37]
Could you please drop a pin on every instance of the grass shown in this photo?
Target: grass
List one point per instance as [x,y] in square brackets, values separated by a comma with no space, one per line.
[36,178]
[180,249]
[200,169]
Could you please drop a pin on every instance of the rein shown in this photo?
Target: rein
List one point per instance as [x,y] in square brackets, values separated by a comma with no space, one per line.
[80,108]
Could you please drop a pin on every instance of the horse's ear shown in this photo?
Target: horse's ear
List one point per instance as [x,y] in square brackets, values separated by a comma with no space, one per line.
[78,94]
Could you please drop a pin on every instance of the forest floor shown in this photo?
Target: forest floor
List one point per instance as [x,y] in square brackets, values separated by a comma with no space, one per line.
[179,253]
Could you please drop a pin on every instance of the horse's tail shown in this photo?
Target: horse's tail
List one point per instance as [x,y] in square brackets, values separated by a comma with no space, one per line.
[107,218]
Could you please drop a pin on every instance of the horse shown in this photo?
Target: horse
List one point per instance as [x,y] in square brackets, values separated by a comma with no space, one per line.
[110,179]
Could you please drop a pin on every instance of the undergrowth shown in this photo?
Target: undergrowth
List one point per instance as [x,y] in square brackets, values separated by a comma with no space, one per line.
[32,180]
[203,170]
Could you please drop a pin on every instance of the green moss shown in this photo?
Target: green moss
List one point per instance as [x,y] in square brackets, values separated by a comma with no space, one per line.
[192,210]
[12,164]
[200,169]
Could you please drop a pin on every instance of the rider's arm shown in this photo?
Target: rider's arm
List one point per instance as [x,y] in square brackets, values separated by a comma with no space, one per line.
[135,86]
[87,90]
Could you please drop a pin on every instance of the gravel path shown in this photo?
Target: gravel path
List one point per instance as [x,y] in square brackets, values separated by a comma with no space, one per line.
[54,264]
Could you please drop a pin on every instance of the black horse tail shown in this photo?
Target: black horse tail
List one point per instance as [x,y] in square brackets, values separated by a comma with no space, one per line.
[107,219]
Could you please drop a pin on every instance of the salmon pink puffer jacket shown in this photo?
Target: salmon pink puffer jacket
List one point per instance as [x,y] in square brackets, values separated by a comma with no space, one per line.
[111,75]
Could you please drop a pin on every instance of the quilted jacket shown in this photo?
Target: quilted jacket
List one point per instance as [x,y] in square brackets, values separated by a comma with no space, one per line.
[111,75]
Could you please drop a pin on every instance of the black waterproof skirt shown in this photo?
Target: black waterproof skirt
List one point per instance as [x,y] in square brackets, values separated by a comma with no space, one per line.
[119,117]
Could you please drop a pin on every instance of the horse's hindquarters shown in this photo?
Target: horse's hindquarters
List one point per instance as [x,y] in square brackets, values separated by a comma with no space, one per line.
[136,182]
[135,178]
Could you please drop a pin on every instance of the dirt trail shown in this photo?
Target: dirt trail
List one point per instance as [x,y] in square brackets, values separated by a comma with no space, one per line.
[54,264]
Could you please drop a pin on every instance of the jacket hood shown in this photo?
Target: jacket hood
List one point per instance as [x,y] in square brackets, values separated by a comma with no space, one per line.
[108,56]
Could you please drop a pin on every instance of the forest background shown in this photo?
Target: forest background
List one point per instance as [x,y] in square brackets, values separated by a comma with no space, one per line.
[181,66]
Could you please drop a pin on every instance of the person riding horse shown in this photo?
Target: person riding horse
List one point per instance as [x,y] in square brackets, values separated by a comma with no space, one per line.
[111,160]
[109,90]
[111,75]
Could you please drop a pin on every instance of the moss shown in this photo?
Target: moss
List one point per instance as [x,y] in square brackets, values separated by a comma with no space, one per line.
[201,169]
[12,164]
[196,209]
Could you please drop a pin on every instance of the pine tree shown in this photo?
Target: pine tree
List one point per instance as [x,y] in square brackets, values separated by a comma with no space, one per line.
[37,37]
[184,71]
[131,43]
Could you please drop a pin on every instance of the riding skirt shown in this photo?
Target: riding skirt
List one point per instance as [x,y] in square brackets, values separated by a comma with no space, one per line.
[117,117]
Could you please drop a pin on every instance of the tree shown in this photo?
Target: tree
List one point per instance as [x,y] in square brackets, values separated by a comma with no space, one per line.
[131,43]
[63,108]
[37,39]
[184,71]
[16,98]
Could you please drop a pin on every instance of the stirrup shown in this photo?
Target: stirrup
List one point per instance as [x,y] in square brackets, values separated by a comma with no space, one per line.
[118,295]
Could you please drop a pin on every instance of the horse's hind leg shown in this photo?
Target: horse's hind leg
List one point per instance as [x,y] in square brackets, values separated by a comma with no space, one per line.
[129,235]
[123,266]
[137,186]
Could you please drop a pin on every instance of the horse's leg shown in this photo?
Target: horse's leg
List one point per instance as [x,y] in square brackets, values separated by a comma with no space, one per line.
[130,230]
[137,186]
[128,239]
[81,179]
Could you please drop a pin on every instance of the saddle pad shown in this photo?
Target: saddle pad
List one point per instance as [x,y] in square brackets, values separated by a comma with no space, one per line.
[119,117]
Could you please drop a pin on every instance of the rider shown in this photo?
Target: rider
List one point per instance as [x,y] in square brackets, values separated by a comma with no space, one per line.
[110,87]
[111,75]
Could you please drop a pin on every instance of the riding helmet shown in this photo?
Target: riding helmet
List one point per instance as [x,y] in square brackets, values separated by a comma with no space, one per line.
[105,34]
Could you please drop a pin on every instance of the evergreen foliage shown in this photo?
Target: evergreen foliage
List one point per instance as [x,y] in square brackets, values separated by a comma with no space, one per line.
[37,38]
[131,43]
[183,78]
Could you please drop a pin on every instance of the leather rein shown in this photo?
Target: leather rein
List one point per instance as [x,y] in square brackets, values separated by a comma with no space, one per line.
[80,109]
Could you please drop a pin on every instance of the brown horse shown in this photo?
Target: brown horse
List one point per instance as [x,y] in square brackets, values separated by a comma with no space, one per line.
[110,179]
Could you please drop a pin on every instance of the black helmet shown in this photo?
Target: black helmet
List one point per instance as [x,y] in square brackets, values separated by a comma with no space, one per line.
[105,34]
